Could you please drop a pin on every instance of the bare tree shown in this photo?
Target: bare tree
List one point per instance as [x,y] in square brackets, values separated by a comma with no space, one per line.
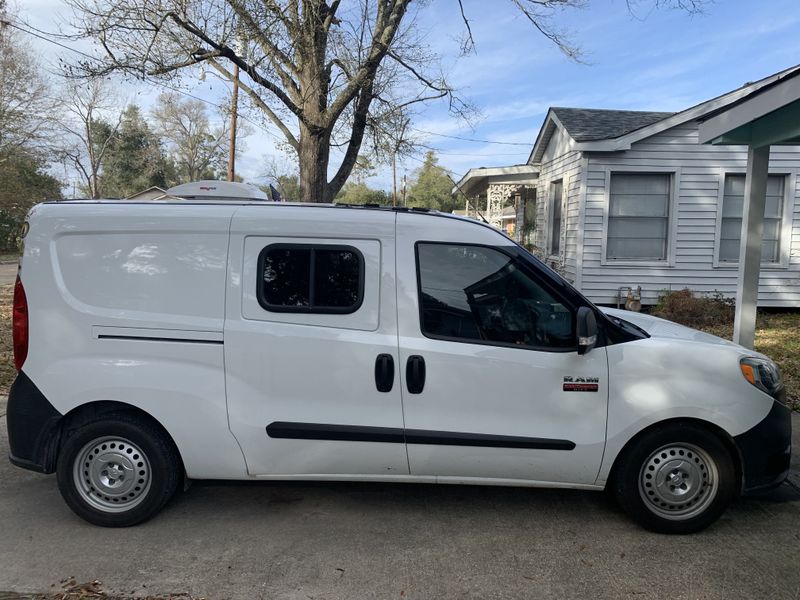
[26,104]
[312,68]
[90,118]
[327,74]
[197,148]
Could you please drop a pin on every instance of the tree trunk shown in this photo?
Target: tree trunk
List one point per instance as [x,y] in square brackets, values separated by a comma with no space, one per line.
[313,154]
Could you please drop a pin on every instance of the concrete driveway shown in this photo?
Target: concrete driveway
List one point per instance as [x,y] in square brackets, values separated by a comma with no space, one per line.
[353,541]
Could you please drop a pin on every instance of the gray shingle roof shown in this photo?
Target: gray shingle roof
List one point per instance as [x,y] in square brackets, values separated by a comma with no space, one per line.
[589,124]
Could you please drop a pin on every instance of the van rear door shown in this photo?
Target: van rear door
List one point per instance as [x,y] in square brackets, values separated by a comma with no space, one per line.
[311,342]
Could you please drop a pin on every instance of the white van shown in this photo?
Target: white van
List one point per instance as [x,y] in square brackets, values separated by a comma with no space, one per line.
[243,340]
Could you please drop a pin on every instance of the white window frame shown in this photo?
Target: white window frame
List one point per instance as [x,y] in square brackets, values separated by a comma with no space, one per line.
[672,218]
[550,216]
[789,186]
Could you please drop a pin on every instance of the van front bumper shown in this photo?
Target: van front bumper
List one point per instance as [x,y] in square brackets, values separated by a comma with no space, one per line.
[766,450]
[33,427]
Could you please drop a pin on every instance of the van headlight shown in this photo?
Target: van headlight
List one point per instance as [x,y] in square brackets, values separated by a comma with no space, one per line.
[764,374]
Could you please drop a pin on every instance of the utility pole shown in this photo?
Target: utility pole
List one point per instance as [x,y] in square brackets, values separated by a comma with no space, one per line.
[395,149]
[234,111]
[394,178]
[404,189]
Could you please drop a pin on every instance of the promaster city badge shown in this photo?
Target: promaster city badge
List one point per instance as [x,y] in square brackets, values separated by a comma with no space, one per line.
[581,384]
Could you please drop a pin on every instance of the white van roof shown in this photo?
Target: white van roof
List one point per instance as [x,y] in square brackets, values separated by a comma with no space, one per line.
[219,190]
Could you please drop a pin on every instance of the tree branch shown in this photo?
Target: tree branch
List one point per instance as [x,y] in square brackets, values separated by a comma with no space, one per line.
[227,52]
[259,102]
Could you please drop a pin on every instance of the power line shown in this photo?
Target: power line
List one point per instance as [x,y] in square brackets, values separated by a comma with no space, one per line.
[158,84]
[38,34]
[464,139]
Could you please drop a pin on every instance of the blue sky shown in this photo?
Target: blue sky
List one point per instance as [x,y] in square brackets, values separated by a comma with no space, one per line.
[655,60]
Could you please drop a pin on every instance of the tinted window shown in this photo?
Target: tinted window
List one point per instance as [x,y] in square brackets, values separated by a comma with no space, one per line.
[336,278]
[479,294]
[314,279]
[286,274]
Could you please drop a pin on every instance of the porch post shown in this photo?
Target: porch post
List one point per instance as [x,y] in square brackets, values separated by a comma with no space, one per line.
[755,194]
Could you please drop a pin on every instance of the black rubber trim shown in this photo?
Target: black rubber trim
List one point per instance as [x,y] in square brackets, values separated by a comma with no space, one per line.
[451,438]
[766,450]
[33,427]
[344,433]
[397,435]
[147,338]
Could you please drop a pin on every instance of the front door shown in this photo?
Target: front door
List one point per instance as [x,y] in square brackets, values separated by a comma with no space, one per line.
[311,342]
[493,384]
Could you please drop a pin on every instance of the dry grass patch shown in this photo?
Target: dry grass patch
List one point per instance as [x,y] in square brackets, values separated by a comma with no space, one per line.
[777,333]
[7,371]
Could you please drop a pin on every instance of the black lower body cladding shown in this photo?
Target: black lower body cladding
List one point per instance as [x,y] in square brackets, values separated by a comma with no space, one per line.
[766,450]
[33,427]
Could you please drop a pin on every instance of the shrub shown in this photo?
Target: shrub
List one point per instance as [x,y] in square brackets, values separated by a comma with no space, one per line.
[695,311]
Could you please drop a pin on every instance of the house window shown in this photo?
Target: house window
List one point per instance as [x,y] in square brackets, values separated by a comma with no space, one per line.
[304,278]
[638,216]
[732,210]
[556,193]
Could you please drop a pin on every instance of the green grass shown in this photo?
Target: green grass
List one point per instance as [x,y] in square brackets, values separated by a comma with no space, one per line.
[777,336]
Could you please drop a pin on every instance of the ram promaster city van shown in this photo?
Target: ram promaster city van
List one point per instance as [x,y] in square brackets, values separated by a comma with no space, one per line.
[245,340]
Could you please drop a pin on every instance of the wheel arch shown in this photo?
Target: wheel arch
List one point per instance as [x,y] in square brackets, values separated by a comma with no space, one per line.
[91,411]
[716,430]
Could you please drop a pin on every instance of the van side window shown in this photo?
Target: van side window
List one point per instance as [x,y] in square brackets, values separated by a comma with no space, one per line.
[311,278]
[478,294]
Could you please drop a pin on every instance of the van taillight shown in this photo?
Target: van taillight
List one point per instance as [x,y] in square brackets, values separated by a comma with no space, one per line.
[20,325]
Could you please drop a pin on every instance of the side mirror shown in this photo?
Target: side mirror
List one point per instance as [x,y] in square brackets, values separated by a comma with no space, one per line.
[587,329]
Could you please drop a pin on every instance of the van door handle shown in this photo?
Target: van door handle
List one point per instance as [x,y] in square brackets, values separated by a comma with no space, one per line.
[415,374]
[384,372]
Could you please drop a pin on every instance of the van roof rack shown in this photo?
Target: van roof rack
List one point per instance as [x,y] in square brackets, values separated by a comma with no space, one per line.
[371,205]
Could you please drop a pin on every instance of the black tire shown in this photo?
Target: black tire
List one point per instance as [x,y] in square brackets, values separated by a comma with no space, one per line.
[676,479]
[122,450]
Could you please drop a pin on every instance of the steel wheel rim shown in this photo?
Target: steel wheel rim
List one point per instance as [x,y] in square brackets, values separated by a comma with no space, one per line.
[678,481]
[112,474]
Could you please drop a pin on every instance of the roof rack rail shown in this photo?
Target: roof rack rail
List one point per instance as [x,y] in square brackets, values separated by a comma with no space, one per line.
[370,205]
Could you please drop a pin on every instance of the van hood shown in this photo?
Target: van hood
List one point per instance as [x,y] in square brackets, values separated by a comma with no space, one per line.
[661,328]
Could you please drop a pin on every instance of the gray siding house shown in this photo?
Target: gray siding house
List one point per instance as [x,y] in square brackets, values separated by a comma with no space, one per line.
[619,199]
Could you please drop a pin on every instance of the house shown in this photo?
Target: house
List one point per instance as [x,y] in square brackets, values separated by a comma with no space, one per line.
[620,199]
[151,193]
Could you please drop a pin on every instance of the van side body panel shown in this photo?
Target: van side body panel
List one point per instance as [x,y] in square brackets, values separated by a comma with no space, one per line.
[126,304]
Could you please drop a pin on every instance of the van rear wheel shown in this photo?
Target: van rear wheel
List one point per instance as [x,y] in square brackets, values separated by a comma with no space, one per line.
[676,479]
[117,471]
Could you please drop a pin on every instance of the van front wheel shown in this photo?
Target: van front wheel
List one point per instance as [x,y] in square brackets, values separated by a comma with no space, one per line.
[117,471]
[676,479]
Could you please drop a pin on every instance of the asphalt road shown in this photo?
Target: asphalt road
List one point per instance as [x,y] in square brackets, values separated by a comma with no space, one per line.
[354,541]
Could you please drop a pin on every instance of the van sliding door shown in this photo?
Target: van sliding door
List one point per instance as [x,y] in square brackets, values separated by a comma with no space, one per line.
[311,342]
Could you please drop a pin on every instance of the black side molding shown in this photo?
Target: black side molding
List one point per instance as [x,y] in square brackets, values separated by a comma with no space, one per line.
[397,435]
[451,438]
[343,433]
[33,427]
